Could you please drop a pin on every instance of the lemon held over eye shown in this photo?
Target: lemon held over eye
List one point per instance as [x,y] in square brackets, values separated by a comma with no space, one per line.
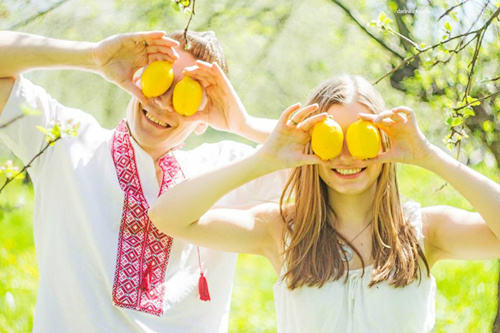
[157,78]
[187,96]
[363,140]
[327,139]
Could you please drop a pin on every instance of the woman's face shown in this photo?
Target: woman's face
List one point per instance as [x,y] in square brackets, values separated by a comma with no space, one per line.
[348,175]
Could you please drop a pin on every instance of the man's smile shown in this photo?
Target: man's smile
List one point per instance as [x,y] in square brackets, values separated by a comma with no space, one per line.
[156,121]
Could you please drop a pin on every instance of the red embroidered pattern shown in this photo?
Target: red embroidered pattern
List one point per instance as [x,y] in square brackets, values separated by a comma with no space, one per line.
[143,251]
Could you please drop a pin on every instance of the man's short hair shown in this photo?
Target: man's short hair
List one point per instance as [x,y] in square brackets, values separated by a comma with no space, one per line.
[204,46]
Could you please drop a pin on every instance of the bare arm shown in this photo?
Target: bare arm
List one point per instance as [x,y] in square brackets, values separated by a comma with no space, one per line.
[225,110]
[21,52]
[235,230]
[115,58]
[450,233]
[457,234]
[252,231]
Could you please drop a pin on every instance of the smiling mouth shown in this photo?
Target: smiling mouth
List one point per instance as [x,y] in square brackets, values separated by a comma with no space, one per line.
[154,120]
[348,172]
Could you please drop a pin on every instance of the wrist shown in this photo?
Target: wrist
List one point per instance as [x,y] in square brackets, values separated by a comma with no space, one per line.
[265,162]
[433,158]
[93,60]
[241,119]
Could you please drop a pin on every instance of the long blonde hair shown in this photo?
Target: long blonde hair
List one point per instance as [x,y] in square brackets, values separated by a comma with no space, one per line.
[312,254]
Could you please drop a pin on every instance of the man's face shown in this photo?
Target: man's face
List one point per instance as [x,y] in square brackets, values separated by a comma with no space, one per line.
[156,126]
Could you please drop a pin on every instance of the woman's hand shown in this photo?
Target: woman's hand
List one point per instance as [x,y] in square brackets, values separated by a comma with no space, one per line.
[118,57]
[408,144]
[286,145]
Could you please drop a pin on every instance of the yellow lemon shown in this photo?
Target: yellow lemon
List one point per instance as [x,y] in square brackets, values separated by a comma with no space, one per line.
[157,78]
[187,96]
[363,140]
[327,139]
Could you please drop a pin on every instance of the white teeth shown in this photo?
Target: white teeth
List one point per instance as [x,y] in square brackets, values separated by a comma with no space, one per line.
[348,171]
[156,121]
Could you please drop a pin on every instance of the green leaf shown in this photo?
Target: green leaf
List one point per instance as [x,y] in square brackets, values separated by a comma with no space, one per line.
[457,121]
[468,112]
[450,146]
[381,17]
[43,130]
[488,126]
[472,101]
[175,6]
[449,121]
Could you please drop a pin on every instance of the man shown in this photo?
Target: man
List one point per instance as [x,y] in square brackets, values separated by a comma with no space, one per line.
[103,265]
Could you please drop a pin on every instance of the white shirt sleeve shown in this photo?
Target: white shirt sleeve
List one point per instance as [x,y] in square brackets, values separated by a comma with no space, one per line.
[22,136]
[208,156]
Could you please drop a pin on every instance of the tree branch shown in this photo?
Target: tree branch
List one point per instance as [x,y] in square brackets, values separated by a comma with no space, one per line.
[11,121]
[476,100]
[472,63]
[451,8]
[355,20]
[8,180]
[408,60]
[34,17]
[187,44]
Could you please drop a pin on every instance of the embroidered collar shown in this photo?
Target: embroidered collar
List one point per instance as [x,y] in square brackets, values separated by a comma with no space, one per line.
[143,251]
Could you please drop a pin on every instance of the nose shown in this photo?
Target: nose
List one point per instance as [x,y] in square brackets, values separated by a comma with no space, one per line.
[345,155]
[165,101]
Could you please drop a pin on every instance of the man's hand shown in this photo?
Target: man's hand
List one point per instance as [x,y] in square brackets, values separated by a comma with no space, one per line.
[118,57]
[224,110]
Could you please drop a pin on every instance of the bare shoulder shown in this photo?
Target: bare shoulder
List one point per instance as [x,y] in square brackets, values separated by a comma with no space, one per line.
[6,85]
[270,215]
[454,233]
[435,216]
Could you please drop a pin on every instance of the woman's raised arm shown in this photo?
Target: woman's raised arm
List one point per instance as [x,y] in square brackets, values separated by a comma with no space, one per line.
[451,233]
[232,229]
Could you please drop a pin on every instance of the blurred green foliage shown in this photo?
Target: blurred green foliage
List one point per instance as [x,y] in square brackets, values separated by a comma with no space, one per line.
[277,52]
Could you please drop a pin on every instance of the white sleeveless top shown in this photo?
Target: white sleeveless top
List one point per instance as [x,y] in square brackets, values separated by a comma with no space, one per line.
[354,307]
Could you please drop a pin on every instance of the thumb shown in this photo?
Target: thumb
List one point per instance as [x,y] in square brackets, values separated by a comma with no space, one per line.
[384,157]
[311,159]
[132,89]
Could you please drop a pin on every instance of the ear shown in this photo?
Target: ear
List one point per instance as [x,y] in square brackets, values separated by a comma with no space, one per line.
[200,128]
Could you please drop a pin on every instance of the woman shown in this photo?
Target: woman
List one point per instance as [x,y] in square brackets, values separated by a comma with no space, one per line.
[351,257]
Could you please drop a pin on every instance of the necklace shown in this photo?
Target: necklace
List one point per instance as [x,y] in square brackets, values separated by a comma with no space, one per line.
[348,251]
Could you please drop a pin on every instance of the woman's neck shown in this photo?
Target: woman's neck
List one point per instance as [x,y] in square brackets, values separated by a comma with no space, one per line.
[353,210]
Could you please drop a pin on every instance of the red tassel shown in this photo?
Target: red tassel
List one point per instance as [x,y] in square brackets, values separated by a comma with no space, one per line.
[146,278]
[203,288]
